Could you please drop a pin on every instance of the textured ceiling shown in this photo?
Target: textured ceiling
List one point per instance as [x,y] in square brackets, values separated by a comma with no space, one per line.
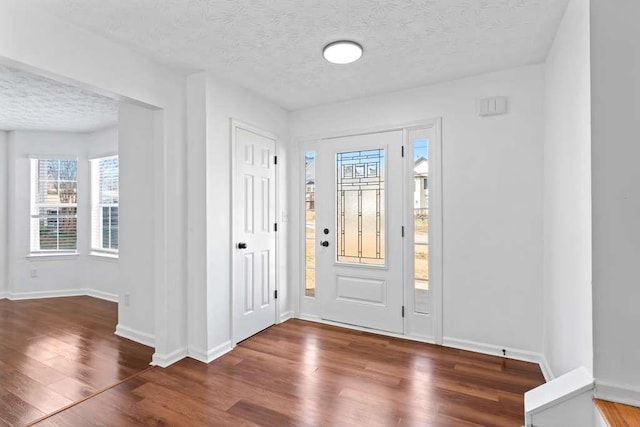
[32,102]
[274,46]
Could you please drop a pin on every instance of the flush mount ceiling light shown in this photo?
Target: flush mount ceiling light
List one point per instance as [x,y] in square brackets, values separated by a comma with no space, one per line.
[342,52]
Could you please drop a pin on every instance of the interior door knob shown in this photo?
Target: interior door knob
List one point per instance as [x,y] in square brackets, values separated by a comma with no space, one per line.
[242,245]
[324,243]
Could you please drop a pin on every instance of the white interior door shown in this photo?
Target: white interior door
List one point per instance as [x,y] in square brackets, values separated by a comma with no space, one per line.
[359,208]
[254,234]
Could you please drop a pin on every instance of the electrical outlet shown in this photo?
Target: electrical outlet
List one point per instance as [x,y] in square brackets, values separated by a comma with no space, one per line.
[127,300]
[34,272]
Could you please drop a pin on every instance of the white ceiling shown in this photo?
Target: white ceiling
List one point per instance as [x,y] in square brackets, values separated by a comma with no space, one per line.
[32,102]
[274,47]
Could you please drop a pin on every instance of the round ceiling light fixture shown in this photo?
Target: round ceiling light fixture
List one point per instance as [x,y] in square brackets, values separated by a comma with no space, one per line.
[342,52]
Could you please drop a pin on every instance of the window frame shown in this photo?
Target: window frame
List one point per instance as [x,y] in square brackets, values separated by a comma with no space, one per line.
[96,235]
[35,248]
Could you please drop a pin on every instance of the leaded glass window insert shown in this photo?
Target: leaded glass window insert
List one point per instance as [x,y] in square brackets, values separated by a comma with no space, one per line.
[360,216]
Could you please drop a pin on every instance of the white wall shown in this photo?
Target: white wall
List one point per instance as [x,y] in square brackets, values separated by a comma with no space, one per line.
[210,203]
[615,112]
[568,340]
[4,241]
[492,189]
[32,39]
[198,342]
[135,137]
[56,275]
[100,273]
[102,143]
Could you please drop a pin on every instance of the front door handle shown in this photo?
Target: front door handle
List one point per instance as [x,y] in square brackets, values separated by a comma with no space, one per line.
[324,243]
[242,245]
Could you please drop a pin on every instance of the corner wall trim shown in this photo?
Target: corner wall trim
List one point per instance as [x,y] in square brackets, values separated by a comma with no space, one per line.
[569,395]
[165,360]
[616,392]
[134,335]
[286,316]
[546,369]
[211,354]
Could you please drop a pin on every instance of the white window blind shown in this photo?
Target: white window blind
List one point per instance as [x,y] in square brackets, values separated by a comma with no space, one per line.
[105,186]
[54,205]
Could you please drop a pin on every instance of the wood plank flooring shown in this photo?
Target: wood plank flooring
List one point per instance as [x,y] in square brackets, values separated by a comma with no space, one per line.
[617,414]
[306,374]
[57,351]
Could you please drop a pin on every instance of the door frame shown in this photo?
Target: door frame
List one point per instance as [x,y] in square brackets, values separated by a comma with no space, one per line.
[301,302]
[234,125]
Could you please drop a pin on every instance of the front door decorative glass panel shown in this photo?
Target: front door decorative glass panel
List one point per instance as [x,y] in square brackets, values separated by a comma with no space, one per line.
[360,206]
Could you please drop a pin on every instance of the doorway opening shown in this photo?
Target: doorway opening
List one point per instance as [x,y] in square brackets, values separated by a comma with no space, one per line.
[60,248]
[372,227]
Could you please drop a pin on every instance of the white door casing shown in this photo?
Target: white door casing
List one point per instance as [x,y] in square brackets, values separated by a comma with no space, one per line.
[254,237]
[359,201]
[421,322]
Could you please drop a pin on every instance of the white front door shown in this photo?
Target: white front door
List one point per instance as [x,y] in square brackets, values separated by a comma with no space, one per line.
[359,211]
[255,243]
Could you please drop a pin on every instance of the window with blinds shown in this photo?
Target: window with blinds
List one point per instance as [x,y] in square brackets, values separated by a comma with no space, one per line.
[54,205]
[105,186]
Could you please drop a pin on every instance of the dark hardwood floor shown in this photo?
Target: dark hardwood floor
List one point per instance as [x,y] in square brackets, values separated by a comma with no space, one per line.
[306,374]
[57,351]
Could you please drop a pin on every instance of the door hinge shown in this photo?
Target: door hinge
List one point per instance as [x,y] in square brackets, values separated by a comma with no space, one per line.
[275,160]
[403,151]
[275,226]
[275,294]
[403,231]
[403,311]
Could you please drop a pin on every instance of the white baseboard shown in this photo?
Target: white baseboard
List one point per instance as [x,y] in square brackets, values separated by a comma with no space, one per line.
[16,296]
[616,392]
[545,367]
[211,354]
[165,360]
[134,335]
[417,338]
[495,350]
[3,295]
[101,295]
[286,316]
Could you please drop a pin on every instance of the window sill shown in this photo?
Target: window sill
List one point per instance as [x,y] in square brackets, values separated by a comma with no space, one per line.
[104,256]
[52,256]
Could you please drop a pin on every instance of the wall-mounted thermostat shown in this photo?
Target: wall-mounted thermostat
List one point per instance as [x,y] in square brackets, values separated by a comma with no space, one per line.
[493,106]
